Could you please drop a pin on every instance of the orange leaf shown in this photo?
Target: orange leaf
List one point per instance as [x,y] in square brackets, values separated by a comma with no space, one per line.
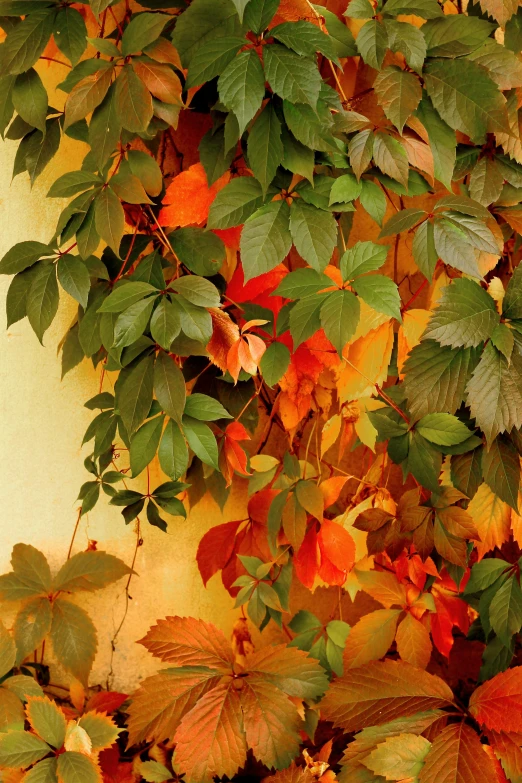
[413,642]
[332,488]
[184,641]
[456,756]
[337,545]
[492,519]
[188,197]
[296,10]
[105,701]
[497,704]
[371,637]
[307,559]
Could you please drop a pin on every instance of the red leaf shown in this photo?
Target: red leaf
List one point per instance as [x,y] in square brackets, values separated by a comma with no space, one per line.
[188,197]
[456,756]
[308,558]
[337,546]
[215,549]
[497,703]
[105,701]
[236,431]
[229,236]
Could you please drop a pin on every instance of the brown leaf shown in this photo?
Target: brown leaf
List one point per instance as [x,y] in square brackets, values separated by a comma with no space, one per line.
[185,641]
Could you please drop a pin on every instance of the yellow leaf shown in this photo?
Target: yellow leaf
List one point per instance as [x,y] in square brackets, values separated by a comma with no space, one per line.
[369,319]
[366,364]
[262,463]
[77,739]
[516,522]
[365,430]
[330,433]
[496,290]
[413,324]
[370,638]
[492,518]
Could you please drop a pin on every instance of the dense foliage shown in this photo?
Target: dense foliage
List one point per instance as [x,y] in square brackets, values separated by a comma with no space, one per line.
[294,244]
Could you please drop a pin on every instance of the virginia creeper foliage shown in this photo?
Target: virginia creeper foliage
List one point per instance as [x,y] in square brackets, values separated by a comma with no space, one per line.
[294,246]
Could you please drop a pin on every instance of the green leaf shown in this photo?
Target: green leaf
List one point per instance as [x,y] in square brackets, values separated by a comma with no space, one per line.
[88,94]
[205,408]
[154,772]
[73,638]
[259,14]
[426,9]
[20,749]
[142,30]
[169,386]
[511,304]
[47,720]
[74,767]
[341,37]
[304,38]
[201,440]
[128,187]
[241,87]
[390,157]
[486,181]
[466,98]
[314,233]
[442,429]
[30,99]
[165,324]
[144,445]
[235,203]
[402,221]
[399,94]
[309,128]
[109,218]
[424,462]
[505,611]
[196,322]
[381,293]
[398,757]
[134,393]
[126,294]
[265,239]
[26,41]
[90,570]
[295,79]
[455,36]
[217,150]
[173,452]
[484,574]
[435,377]
[501,470]
[70,33]
[211,59]
[104,128]
[31,626]
[17,293]
[7,651]
[147,170]
[101,730]
[73,182]
[43,772]
[454,247]
[131,324]
[465,316]
[265,148]
[133,101]
[373,199]
[503,340]
[21,256]
[405,38]
[423,249]
[274,363]
[301,283]
[197,290]
[466,472]
[201,251]
[372,42]
[74,278]
[204,20]
[42,300]
[340,313]
[305,318]
[494,393]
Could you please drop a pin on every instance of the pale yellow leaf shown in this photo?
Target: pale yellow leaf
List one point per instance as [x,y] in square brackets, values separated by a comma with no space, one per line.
[413,324]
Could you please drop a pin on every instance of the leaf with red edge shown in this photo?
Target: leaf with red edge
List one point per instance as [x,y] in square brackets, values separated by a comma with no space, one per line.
[105,701]
[225,334]
[215,549]
[457,756]
[380,692]
[188,197]
[507,749]
[497,704]
[185,641]
[210,739]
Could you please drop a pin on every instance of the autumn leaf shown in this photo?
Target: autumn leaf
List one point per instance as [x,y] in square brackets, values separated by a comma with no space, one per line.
[188,197]
[456,756]
[497,703]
